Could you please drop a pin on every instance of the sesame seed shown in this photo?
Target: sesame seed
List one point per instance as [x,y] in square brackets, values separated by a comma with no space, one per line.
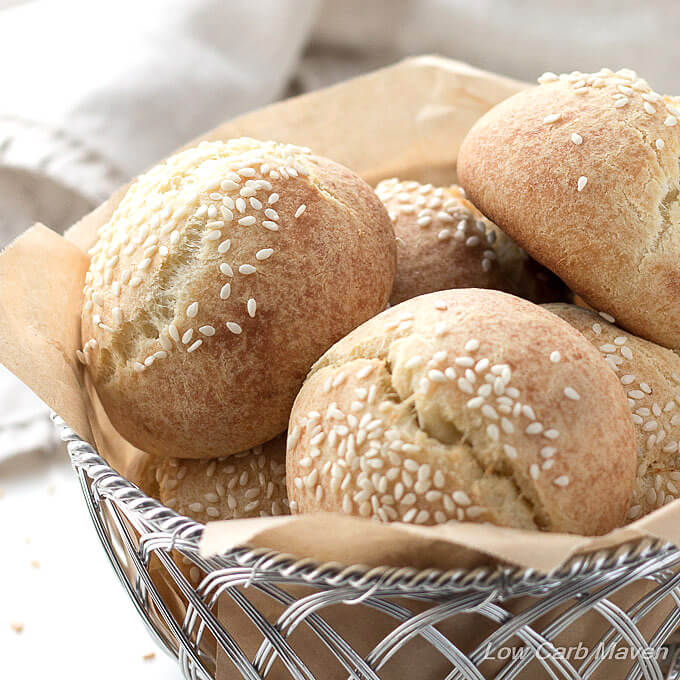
[547,77]
[562,480]
[489,411]
[247,221]
[186,338]
[475,402]
[571,393]
[534,428]
[207,330]
[271,226]
[465,386]
[670,121]
[195,345]
[534,471]
[510,451]
[213,235]
[552,118]
[192,310]
[436,376]
[551,434]
[247,269]
[225,292]
[582,181]
[300,210]
[659,144]
[648,108]
[607,317]
[461,498]
[226,269]
[627,353]
[224,247]
[472,345]
[576,138]
[555,356]
[264,254]
[234,327]
[363,372]
[620,102]
[173,332]
[252,307]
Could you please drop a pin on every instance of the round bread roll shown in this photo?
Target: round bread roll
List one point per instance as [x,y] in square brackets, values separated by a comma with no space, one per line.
[583,173]
[444,242]
[466,404]
[223,274]
[247,484]
[650,375]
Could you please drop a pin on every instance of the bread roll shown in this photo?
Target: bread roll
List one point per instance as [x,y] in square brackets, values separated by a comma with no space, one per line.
[583,173]
[221,277]
[247,484]
[444,242]
[650,375]
[466,404]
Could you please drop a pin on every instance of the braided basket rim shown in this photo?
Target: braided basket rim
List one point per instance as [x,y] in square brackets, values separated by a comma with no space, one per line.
[161,520]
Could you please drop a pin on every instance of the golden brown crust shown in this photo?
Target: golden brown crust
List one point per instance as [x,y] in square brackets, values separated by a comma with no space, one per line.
[583,173]
[247,484]
[465,404]
[444,242]
[650,375]
[220,279]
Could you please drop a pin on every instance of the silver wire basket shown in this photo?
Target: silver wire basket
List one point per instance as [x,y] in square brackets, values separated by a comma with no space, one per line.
[295,618]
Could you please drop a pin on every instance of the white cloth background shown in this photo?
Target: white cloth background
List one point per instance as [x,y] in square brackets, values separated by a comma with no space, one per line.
[94,91]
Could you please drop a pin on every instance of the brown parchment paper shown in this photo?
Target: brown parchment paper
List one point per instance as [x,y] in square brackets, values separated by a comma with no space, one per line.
[406,120]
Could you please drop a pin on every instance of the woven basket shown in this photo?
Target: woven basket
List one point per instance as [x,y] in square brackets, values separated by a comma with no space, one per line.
[264,614]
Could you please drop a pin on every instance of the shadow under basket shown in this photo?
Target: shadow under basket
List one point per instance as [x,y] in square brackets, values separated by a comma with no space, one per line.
[256,613]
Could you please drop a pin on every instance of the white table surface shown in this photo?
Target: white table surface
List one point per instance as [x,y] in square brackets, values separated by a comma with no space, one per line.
[77,620]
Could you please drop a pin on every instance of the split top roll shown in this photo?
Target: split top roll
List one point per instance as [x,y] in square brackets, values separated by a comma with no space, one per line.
[220,278]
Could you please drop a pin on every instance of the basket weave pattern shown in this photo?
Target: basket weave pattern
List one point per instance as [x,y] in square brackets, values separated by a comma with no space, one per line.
[628,599]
